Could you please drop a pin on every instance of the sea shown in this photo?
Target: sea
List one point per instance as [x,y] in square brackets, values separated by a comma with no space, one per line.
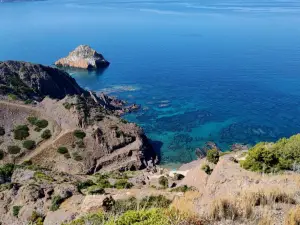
[226,71]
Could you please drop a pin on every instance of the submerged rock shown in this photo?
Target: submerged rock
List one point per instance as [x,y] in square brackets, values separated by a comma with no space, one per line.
[83,57]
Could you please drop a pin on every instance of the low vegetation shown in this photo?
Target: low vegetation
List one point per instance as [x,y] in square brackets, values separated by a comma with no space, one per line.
[46,134]
[206,168]
[76,156]
[293,217]
[1,154]
[183,188]
[41,123]
[163,181]
[273,157]
[62,150]
[79,134]
[213,156]
[56,202]
[42,176]
[21,132]
[13,149]
[29,144]
[15,210]
[123,184]
[95,190]
[2,131]
[32,120]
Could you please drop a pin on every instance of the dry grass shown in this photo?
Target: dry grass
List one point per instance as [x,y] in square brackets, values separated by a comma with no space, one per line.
[243,206]
[186,202]
[265,220]
[293,217]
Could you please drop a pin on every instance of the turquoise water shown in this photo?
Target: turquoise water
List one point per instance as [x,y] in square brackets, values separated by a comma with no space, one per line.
[224,71]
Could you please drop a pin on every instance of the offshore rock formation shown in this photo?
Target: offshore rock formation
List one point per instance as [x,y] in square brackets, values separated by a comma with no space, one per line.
[33,81]
[83,57]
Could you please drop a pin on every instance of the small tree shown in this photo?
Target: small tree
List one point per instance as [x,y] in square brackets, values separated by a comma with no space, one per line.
[62,150]
[21,132]
[41,123]
[13,149]
[79,134]
[206,168]
[163,181]
[213,156]
[29,144]
[46,134]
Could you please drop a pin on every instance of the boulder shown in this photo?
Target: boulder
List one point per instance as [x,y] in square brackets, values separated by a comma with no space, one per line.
[83,57]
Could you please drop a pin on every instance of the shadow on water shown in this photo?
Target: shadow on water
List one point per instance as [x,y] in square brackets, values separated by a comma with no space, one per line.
[157,145]
[78,71]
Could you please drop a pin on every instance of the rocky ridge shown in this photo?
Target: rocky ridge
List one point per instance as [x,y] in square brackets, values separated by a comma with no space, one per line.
[83,57]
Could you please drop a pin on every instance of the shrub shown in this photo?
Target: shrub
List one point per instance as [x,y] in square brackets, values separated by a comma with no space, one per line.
[56,202]
[28,101]
[95,190]
[67,105]
[32,120]
[67,155]
[12,97]
[79,134]
[1,154]
[62,150]
[272,157]
[37,129]
[213,156]
[152,201]
[46,134]
[76,156]
[29,144]
[123,184]
[42,176]
[163,181]
[80,144]
[41,123]
[21,132]
[27,163]
[16,209]
[104,183]
[6,171]
[178,176]
[84,185]
[183,188]
[2,131]
[36,218]
[92,219]
[13,149]
[206,168]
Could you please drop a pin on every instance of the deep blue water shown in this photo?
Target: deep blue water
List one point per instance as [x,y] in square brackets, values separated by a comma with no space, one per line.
[225,71]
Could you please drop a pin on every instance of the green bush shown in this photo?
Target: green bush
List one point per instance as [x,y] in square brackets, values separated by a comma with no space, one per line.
[13,149]
[21,132]
[56,202]
[42,176]
[36,218]
[62,150]
[104,183]
[67,105]
[29,144]
[79,134]
[123,184]
[37,129]
[152,201]
[84,185]
[183,188]
[16,209]
[32,120]
[46,134]
[6,171]
[41,123]
[2,131]
[76,156]
[12,97]
[163,181]
[27,163]
[178,176]
[1,154]
[206,168]
[272,157]
[213,155]
[28,101]
[95,190]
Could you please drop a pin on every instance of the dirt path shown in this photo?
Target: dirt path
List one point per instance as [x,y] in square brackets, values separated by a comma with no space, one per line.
[45,144]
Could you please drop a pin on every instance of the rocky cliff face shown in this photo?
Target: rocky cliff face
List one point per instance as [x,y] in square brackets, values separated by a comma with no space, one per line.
[33,81]
[83,57]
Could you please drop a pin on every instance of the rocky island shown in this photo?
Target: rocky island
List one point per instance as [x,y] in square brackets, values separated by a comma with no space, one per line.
[83,57]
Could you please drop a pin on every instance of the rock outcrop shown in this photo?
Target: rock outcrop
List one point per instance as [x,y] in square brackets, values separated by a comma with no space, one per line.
[83,57]
[33,81]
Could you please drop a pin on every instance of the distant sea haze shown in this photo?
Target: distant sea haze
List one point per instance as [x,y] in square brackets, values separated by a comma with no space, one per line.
[221,71]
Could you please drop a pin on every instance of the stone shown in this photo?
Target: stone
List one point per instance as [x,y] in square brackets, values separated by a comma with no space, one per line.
[83,57]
